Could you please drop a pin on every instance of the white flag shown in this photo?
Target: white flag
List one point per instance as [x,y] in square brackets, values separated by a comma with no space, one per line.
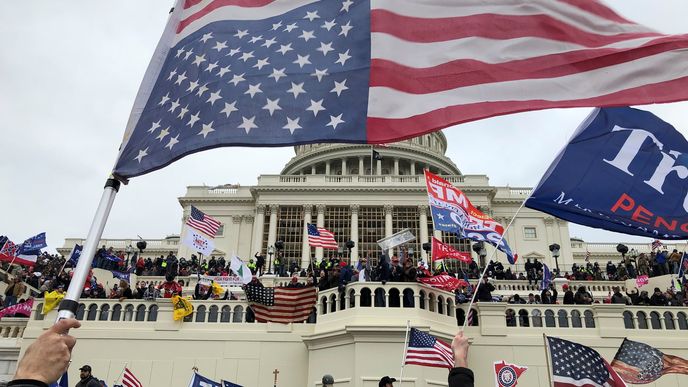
[198,241]
[241,269]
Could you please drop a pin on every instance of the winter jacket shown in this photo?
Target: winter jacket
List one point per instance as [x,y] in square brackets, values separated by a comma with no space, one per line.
[460,377]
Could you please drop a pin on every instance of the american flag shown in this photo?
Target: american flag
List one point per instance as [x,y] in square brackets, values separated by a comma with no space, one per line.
[320,237]
[640,363]
[282,305]
[129,380]
[202,222]
[574,365]
[656,244]
[284,72]
[426,350]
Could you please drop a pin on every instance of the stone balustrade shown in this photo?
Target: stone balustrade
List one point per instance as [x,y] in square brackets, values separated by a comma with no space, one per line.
[12,327]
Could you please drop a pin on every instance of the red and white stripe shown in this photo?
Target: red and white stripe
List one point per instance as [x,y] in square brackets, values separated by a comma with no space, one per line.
[129,380]
[439,63]
[325,240]
[290,305]
[440,355]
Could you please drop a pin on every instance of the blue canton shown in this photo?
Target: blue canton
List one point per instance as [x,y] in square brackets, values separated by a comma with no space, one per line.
[419,339]
[300,77]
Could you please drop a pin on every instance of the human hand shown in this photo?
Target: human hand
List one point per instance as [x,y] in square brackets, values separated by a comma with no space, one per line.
[48,357]
[460,348]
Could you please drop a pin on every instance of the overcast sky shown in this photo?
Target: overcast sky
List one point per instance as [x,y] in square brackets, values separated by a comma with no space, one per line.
[69,72]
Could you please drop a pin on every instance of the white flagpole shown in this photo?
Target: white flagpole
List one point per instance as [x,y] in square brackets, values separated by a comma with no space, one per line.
[70,303]
[480,279]
[403,359]
[120,374]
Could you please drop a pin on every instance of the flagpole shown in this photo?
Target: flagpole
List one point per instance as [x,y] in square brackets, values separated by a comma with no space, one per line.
[547,360]
[480,279]
[120,374]
[403,359]
[70,303]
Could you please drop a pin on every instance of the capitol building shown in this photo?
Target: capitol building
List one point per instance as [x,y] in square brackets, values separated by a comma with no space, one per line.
[353,338]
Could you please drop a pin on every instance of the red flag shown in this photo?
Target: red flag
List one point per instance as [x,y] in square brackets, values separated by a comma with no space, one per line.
[23,309]
[444,251]
[444,282]
[506,375]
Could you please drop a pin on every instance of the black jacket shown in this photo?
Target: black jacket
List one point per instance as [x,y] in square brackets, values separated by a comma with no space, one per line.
[460,377]
[89,382]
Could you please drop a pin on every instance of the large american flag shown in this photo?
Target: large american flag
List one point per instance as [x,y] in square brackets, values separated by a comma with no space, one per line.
[284,72]
[426,350]
[575,365]
[129,380]
[320,237]
[282,305]
[202,222]
[640,363]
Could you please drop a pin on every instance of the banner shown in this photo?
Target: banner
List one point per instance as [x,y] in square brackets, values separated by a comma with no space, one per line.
[452,211]
[23,309]
[444,282]
[32,245]
[242,270]
[182,307]
[196,241]
[506,375]
[395,240]
[642,280]
[623,170]
[444,251]
[663,282]
[224,281]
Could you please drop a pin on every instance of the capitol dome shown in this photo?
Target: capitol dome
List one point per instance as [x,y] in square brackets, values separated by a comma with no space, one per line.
[408,157]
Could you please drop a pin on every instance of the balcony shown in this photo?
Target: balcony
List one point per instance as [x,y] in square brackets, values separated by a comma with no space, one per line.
[416,181]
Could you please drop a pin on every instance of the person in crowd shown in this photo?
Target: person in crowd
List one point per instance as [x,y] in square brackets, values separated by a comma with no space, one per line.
[568,295]
[386,381]
[582,296]
[86,378]
[531,299]
[674,261]
[611,271]
[125,291]
[151,293]
[515,299]
[14,291]
[658,298]
[617,297]
[549,295]
[170,287]
[327,381]
[460,375]
[485,290]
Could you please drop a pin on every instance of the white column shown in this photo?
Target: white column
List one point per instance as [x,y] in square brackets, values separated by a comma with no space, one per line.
[423,223]
[413,167]
[327,167]
[361,166]
[237,231]
[344,172]
[306,248]
[379,167]
[354,233]
[396,167]
[388,224]
[258,230]
[272,229]
[244,249]
[312,169]
[320,223]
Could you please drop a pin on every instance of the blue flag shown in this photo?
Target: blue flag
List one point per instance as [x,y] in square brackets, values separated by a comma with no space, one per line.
[120,275]
[546,277]
[229,384]
[33,245]
[76,254]
[62,382]
[198,380]
[623,170]
[113,258]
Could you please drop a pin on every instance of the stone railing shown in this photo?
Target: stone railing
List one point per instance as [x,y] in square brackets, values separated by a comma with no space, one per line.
[339,180]
[601,288]
[12,327]
[190,281]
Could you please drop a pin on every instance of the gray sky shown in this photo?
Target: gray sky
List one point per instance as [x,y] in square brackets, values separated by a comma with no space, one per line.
[69,72]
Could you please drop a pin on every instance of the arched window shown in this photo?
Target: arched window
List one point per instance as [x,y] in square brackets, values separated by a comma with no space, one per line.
[92,312]
[523,318]
[333,303]
[153,313]
[460,317]
[589,319]
[225,314]
[313,317]
[549,318]
[80,312]
[141,313]
[323,305]
[473,318]
[642,320]
[450,307]
[537,318]
[655,320]
[352,298]
[394,298]
[238,314]
[576,321]
[431,302]
[628,320]
[682,321]
[380,297]
[422,299]
[129,312]
[116,313]
[563,318]
[212,313]
[366,297]
[440,305]
[669,320]
[104,309]
[200,313]
[510,318]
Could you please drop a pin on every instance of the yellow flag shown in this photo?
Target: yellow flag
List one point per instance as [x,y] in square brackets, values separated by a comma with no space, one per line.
[52,299]
[182,307]
[217,289]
